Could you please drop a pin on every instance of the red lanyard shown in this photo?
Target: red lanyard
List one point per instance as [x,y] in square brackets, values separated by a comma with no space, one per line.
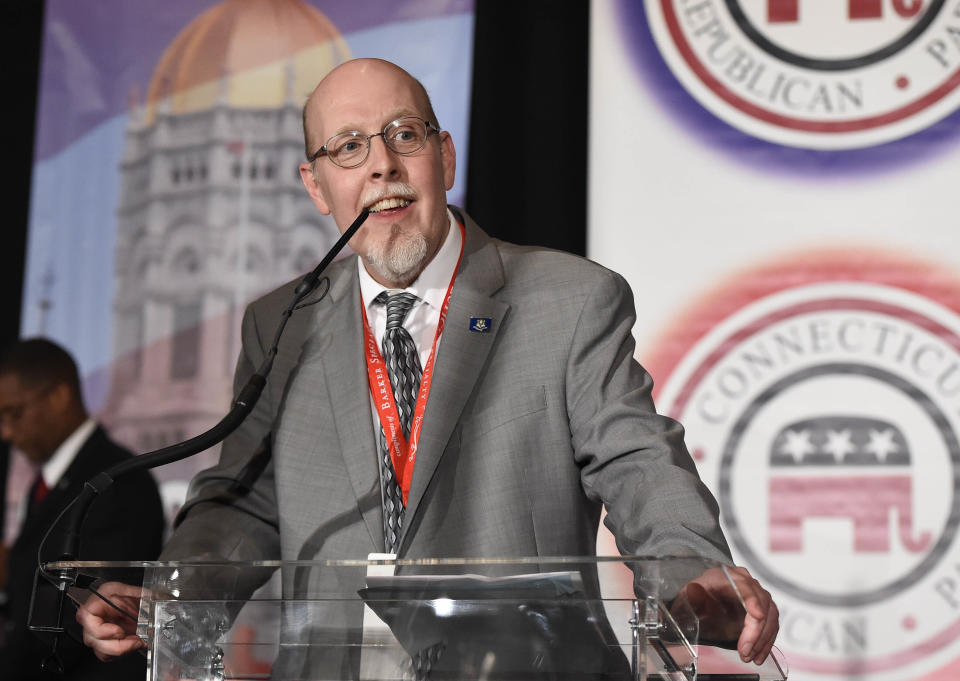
[403,454]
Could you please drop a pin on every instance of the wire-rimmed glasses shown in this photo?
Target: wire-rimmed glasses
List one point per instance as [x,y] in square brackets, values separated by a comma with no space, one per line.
[350,149]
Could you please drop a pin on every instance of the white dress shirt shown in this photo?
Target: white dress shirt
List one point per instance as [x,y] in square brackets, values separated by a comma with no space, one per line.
[430,288]
[57,465]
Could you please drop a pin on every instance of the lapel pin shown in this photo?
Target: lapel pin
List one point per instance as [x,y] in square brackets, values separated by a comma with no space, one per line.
[481,324]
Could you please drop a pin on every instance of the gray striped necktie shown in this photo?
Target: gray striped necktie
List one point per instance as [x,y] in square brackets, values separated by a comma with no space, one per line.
[403,367]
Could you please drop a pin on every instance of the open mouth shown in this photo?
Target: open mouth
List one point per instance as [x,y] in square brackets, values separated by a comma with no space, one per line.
[392,203]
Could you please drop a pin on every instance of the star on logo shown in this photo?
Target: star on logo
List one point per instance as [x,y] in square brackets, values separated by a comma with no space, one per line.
[881,443]
[839,444]
[798,444]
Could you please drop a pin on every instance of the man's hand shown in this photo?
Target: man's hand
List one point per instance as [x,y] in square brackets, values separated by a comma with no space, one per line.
[105,629]
[719,605]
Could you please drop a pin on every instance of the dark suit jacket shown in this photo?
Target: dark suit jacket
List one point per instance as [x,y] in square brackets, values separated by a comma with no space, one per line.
[125,523]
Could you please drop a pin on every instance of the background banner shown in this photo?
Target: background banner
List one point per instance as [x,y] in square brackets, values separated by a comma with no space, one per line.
[777,181]
[165,187]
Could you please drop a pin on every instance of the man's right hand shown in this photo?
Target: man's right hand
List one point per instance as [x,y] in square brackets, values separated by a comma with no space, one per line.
[107,631]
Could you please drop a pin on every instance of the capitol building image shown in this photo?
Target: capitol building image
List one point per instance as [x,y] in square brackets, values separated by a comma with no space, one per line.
[212,211]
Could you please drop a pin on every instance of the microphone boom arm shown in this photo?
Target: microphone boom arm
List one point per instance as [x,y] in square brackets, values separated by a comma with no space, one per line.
[242,406]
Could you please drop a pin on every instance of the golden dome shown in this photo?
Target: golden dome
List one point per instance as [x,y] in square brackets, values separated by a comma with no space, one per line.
[245,53]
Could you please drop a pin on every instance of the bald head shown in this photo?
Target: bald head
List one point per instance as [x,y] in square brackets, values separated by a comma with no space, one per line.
[344,81]
[404,192]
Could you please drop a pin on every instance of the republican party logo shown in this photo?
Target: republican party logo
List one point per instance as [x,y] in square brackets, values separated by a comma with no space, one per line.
[826,416]
[820,74]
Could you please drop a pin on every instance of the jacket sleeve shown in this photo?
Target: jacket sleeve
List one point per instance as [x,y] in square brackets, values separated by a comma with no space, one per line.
[631,458]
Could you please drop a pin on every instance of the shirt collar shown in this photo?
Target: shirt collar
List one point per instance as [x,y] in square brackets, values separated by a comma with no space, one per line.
[57,464]
[431,285]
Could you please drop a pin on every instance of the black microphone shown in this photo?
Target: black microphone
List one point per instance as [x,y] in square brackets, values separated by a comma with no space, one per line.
[241,408]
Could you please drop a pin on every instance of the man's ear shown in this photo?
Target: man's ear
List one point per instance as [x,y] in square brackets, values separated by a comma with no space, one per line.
[313,188]
[448,155]
[60,397]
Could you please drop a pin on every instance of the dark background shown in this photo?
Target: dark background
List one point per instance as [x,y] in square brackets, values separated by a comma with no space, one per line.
[21,53]
[529,84]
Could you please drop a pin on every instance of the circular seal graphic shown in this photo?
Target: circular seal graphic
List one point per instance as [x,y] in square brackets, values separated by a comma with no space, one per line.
[822,75]
[826,417]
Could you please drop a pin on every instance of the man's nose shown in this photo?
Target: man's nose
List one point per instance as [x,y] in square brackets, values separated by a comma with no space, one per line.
[383,161]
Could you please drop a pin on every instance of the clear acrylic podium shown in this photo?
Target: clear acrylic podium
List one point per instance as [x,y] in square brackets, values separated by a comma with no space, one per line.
[515,619]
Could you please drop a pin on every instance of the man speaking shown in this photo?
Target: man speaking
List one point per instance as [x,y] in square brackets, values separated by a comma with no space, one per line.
[451,395]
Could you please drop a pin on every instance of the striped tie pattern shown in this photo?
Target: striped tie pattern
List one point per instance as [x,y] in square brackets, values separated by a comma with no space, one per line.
[403,367]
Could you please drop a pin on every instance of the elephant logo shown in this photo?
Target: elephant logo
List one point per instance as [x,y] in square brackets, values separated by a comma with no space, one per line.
[825,419]
[847,467]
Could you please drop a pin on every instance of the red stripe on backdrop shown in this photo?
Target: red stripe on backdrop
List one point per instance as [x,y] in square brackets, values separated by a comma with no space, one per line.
[724,348]
[931,280]
[887,662]
[853,125]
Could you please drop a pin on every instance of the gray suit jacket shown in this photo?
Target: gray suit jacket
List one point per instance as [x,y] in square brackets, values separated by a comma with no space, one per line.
[528,430]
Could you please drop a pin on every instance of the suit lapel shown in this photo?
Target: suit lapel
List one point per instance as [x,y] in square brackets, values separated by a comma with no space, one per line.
[82,468]
[333,356]
[461,356]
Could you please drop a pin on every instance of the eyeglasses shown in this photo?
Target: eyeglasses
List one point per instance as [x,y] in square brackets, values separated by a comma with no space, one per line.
[402,136]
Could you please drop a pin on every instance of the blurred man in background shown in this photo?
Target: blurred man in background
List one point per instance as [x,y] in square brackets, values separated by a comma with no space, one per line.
[43,417]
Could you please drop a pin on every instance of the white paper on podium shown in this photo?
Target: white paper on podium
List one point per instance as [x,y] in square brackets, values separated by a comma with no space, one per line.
[513,626]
